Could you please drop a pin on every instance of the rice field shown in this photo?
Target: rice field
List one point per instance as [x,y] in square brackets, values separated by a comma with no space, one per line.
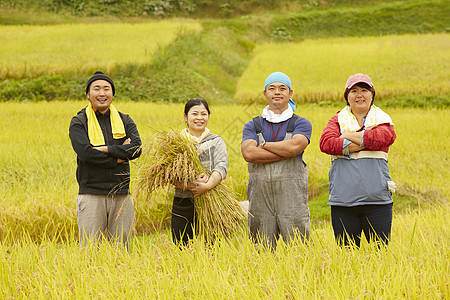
[37,164]
[39,252]
[40,256]
[398,65]
[416,265]
[30,51]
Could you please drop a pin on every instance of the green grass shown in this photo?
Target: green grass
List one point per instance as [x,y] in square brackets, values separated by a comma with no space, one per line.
[361,18]
[398,65]
[147,9]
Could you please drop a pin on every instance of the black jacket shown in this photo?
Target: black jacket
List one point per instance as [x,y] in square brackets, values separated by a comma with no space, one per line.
[98,172]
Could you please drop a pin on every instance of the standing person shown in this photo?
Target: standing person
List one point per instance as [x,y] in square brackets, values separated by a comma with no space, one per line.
[213,156]
[273,145]
[104,140]
[358,140]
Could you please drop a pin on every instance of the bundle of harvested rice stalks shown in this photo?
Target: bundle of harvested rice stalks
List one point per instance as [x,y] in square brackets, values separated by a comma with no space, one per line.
[170,157]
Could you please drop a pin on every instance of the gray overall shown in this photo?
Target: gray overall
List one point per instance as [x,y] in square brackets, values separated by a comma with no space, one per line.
[278,197]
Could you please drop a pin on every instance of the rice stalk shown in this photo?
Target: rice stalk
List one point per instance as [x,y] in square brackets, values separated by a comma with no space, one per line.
[168,158]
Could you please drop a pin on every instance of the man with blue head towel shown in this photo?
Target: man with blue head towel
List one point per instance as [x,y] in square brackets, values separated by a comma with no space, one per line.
[273,145]
[283,78]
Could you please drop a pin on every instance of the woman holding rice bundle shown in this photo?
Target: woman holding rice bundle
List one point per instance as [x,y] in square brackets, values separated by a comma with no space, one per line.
[212,155]
[358,140]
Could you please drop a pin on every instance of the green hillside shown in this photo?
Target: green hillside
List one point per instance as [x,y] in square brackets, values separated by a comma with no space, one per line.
[151,9]
[209,63]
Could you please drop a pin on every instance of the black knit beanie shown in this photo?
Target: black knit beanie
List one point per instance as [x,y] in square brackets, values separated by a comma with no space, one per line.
[100,76]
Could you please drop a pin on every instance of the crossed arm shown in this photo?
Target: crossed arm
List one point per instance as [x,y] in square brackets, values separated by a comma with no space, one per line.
[104,156]
[377,138]
[355,138]
[374,139]
[105,149]
[273,151]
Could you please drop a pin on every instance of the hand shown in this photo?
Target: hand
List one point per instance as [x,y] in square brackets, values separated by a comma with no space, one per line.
[354,137]
[200,188]
[102,148]
[105,148]
[200,185]
[202,178]
[204,183]
[354,148]
[126,142]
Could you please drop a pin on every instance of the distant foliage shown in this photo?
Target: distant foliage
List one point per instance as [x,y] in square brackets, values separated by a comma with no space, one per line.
[387,18]
[419,101]
[151,8]
[177,8]
[281,33]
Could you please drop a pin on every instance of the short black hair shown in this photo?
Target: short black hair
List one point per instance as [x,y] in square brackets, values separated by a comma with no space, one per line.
[195,101]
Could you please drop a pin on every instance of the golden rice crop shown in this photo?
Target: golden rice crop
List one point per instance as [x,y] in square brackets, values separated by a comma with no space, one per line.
[30,51]
[398,65]
[168,158]
[37,175]
[416,265]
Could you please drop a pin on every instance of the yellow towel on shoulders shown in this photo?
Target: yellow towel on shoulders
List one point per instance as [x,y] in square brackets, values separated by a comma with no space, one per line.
[348,123]
[95,132]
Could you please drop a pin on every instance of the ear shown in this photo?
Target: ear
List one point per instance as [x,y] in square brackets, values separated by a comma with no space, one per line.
[186,120]
[291,92]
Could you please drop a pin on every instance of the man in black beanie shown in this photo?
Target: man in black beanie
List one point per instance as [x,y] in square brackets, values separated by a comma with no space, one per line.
[100,75]
[104,140]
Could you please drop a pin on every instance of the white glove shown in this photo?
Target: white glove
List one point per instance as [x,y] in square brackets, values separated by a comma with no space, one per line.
[391,186]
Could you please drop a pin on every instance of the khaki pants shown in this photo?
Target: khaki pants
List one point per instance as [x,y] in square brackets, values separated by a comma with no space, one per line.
[101,216]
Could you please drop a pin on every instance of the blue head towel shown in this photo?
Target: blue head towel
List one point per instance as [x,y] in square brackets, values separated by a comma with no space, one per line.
[283,78]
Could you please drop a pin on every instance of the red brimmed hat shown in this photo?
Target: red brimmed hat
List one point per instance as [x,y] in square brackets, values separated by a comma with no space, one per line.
[357,78]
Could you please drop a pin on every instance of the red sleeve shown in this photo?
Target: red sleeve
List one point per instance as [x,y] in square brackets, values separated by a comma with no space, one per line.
[379,138]
[330,141]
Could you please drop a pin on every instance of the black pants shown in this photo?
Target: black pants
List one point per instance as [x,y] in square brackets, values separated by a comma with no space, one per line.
[374,220]
[183,220]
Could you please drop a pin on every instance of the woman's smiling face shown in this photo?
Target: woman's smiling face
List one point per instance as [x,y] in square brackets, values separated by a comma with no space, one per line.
[197,119]
[360,98]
